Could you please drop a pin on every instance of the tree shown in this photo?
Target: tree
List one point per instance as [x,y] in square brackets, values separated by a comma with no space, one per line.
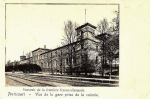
[8,63]
[70,37]
[88,67]
[69,32]
[32,68]
[110,38]
[16,63]
[58,61]
[112,49]
[15,66]
[28,55]
[47,57]
[116,21]
[112,44]
[103,28]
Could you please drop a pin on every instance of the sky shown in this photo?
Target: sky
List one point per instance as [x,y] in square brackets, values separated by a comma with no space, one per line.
[29,27]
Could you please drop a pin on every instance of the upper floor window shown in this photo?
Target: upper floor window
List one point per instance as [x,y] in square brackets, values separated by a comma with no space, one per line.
[96,47]
[56,53]
[81,34]
[96,59]
[67,61]
[78,33]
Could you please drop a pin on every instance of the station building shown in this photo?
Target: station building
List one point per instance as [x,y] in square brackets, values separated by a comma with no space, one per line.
[56,60]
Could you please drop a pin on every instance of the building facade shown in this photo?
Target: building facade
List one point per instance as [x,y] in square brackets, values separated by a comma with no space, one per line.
[75,54]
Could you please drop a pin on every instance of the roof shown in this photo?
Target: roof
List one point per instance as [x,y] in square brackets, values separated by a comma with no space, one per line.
[60,47]
[67,45]
[23,56]
[40,48]
[102,36]
[86,25]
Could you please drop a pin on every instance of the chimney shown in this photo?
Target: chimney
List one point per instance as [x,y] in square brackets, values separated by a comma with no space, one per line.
[45,46]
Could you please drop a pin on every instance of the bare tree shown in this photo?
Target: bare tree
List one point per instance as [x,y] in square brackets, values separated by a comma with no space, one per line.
[69,32]
[49,61]
[110,45]
[70,37]
[8,62]
[16,63]
[103,28]
[28,55]
[116,21]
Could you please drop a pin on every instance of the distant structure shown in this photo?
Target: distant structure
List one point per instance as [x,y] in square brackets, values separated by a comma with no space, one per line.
[22,58]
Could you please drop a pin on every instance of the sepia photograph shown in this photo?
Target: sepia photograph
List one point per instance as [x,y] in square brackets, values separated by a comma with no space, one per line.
[62,45]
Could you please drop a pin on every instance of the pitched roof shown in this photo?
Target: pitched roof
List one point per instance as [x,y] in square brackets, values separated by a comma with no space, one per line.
[86,25]
[41,48]
[67,45]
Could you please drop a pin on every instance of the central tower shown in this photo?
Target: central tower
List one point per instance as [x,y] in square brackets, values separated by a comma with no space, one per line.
[85,31]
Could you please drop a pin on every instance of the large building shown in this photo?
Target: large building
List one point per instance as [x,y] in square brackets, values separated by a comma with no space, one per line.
[85,49]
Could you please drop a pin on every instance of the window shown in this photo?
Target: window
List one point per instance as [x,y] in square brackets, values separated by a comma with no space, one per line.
[96,59]
[96,47]
[78,33]
[73,49]
[67,61]
[81,35]
[82,45]
[74,60]
[55,53]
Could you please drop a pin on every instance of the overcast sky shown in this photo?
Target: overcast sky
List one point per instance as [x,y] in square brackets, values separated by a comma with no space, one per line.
[29,27]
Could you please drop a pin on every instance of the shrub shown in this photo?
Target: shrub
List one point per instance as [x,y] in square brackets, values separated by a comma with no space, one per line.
[87,68]
[84,68]
[31,68]
[8,68]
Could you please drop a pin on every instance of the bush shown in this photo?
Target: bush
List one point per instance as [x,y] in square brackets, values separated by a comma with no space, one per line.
[29,68]
[84,68]
[76,70]
[106,66]
[8,68]
[87,68]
